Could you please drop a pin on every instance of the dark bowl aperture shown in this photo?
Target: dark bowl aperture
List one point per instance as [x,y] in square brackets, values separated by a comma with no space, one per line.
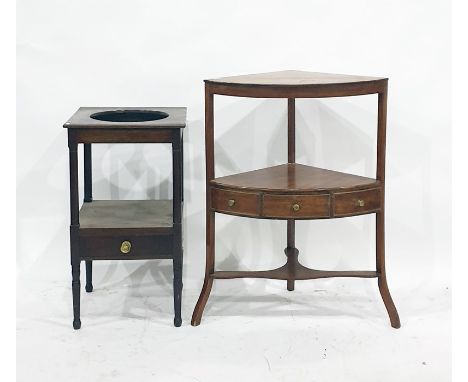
[129,115]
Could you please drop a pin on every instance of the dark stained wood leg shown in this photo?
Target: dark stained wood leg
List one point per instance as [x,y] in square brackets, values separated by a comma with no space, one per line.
[182,166]
[382,279]
[89,276]
[74,227]
[291,252]
[88,184]
[88,197]
[177,269]
[76,286]
[177,262]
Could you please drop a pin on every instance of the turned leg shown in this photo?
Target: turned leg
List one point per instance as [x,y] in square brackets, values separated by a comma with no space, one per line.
[382,280]
[177,269]
[291,253]
[89,276]
[210,259]
[290,250]
[74,227]
[76,284]
[177,292]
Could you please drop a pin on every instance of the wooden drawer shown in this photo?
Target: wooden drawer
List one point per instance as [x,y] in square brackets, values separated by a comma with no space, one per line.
[296,206]
[357,202]
[115,247]
[235,202]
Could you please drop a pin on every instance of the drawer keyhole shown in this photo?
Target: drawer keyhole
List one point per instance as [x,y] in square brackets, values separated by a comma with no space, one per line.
[296,207]
[360,203]
[125,247]
[231,202]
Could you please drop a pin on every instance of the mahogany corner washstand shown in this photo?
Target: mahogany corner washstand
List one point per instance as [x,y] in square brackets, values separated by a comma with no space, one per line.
[293,191]
[125,229]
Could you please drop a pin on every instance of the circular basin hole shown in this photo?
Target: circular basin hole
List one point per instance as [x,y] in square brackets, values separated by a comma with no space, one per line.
[129,115]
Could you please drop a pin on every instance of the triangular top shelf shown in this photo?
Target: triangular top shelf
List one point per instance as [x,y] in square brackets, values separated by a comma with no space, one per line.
[293,78]
[294,177]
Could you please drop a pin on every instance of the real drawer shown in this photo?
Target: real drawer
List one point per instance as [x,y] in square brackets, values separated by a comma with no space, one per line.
[235,202]
[125,247]
[296,206]
[357,202]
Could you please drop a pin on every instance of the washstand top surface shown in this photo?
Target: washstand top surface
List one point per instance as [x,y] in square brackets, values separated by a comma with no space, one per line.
[296,84]
[293,78]
[125,117]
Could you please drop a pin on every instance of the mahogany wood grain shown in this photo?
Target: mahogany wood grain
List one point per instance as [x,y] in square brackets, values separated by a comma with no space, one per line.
[380,216]
[275,187]
[296,84]
[356,202]
[291,130]
[310,206]
[293,178]
[291,251]
[298,78]
[210,214]
[244,203]
[283,273]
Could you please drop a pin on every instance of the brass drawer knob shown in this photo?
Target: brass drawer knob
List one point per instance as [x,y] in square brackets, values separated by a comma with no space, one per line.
[296,207]
[360,203]
[231,202]
[125,247]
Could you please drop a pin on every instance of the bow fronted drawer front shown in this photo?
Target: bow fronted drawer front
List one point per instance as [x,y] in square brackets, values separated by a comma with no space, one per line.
[357,202]
[296,206]
[235,202]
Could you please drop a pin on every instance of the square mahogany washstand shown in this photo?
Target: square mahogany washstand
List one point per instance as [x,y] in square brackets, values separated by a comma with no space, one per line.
[125,229]
[293,191]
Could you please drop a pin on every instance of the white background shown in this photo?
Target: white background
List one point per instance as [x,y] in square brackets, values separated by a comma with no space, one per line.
[143,53]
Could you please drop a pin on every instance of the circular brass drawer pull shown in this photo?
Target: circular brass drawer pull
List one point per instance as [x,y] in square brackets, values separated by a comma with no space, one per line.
[296,207]
[231,202]
[125,247]
[360,203]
